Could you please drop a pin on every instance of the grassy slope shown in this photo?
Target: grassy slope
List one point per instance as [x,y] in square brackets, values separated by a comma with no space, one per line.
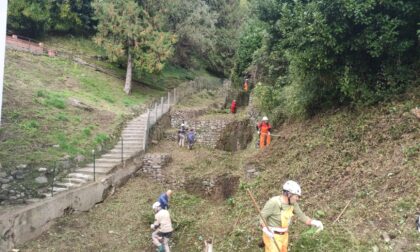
[37,116]
[370,157]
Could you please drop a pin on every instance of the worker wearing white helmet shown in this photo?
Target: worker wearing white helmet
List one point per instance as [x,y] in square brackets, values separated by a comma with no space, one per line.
[162,228]
[278,212]
[264,131]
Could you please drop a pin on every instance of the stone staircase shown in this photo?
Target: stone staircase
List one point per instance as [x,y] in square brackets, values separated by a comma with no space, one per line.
[131,144]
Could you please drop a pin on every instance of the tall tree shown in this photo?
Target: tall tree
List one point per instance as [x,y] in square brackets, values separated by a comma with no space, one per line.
[125,31]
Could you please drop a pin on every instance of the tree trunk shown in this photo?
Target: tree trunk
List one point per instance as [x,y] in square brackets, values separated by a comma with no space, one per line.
[128,76]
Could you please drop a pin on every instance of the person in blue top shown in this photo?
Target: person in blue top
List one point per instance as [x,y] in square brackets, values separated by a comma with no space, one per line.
[164,199]
[191,138]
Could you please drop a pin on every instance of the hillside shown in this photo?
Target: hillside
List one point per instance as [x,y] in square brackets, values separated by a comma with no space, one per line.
[56,109]
[367,157]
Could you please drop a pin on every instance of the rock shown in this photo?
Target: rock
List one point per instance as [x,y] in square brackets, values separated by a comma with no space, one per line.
[42,169]
[5,186]
[386,237]
[80,158]
[375,249]
[3,174]
[65,164]
[19,176]
[56,146]
[4,180]
[78,104]
[41,180]
[3,197]
[22,166]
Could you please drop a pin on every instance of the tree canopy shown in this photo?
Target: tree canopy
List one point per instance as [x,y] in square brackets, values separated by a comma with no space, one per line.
[126,32]
[318,54]
[36,17]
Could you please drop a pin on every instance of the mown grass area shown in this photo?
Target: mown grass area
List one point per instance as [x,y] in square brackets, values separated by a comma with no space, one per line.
[369,158]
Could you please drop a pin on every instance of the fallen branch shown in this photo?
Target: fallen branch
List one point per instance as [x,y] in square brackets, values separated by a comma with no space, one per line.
[338,217]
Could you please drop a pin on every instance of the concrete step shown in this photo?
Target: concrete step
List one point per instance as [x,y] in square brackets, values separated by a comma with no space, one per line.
[127,148]
[75,180]
[80,176]
[100,166]
[132,138]
[136,124]
[135,134]
[97,170]
[117,155]
[105,160]
[59,189]
[133,131]
[67,185]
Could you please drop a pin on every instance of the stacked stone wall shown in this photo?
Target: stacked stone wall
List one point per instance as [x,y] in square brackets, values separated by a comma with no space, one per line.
[153,165]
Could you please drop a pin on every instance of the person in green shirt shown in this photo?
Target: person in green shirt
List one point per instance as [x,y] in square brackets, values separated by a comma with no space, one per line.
[278,212]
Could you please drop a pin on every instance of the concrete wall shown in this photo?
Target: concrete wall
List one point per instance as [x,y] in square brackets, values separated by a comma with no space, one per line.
[18,225]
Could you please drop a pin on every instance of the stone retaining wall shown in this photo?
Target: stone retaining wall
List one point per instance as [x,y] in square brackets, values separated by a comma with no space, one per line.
[21,224]
[225,134]
[154,163]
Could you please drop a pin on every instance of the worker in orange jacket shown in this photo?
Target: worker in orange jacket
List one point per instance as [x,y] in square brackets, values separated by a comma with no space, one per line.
[246,85]
[264,129]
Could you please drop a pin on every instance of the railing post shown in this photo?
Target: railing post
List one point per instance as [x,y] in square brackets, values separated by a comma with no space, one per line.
[156,109]
[161,106]
[94,165]
[169,99]
[146,130]
[175,96]
[122,150]
[53,179]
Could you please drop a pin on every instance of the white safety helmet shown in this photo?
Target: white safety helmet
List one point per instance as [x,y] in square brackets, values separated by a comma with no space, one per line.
[265,118]
[182,125]
[292,187]
[156,205]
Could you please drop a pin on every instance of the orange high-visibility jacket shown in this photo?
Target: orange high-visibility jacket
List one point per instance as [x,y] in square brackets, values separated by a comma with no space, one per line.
[264,127]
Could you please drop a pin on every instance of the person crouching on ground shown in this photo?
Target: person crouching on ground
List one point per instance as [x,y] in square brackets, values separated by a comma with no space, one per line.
[278,212]
[162,228]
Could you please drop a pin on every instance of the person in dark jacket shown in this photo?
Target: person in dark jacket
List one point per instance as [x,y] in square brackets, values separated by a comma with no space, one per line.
[191,138]
[164,199]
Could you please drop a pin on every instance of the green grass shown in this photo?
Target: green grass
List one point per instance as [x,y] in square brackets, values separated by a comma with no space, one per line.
[40,125]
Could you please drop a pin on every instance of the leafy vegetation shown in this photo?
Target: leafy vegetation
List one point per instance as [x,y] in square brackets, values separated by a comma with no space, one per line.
[126,32]
[317,55]
[36,17]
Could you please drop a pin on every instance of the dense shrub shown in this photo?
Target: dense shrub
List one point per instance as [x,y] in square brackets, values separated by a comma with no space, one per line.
[321,54]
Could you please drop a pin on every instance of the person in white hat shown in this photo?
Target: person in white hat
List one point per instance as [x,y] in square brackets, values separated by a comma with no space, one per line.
[264,131]
[162,228]
[278,212]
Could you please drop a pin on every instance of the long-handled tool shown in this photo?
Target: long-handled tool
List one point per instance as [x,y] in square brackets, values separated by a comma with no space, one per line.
[264,221]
